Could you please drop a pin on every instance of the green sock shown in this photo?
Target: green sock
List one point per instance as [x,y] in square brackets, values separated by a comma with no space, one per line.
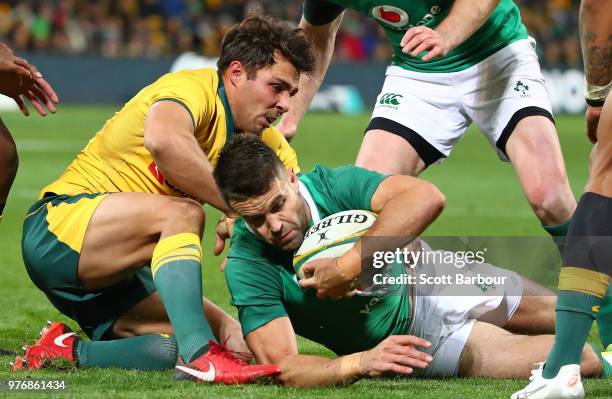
[558,233]
[178,278]
[146,352]
[606,361]
[574,320]
[604,319]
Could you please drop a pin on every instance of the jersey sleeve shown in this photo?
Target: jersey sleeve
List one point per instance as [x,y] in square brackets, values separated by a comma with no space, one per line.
[275,140]
[191,92]
[351,187]
[256,290]
[321,12]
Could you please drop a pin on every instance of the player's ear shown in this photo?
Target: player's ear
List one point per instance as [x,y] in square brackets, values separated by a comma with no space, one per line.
[236,72]
[293,180]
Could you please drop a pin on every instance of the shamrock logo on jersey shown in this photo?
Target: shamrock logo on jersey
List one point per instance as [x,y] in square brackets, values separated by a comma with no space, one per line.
[522,88]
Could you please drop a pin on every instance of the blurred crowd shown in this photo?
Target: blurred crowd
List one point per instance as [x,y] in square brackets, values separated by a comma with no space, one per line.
[158,28]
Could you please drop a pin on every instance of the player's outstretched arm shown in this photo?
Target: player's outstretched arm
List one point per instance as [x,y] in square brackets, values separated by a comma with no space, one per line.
[22,81]
[169,136]
[275,343]
[323,38]
[596,40]
[464,18]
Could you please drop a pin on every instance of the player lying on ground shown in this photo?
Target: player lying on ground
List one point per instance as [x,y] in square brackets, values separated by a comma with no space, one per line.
[402,331]
[115,242]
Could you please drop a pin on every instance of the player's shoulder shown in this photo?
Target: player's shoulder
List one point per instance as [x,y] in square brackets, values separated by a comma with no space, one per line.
[204,82]
[324,172]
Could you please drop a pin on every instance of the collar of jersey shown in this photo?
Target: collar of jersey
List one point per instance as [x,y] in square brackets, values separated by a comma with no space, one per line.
[229,118]
[303,184]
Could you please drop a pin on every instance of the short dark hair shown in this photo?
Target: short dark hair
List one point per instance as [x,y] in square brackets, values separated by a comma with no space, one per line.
[246,168]
[255,41]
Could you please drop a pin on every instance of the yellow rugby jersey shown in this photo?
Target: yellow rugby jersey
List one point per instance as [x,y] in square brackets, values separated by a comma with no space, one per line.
[116,160]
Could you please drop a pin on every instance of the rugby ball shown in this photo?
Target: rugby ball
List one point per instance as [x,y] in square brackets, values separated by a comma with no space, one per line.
[332,236]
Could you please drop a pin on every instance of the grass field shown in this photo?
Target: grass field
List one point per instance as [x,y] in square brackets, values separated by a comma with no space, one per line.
[483,199]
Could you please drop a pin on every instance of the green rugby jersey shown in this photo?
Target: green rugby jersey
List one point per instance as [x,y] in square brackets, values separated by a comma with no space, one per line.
[503,27]
[264,287]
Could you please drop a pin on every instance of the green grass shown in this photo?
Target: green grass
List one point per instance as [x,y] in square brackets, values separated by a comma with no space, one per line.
[483,199]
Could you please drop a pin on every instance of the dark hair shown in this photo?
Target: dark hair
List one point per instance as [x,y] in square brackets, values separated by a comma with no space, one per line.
[255,41]
[246,168]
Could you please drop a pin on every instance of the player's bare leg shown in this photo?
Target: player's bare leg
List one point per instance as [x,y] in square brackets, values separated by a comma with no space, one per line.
[124,231]
[482,356]
[535,152]
[150,317]
[536,311]
[388,153]
[129,231]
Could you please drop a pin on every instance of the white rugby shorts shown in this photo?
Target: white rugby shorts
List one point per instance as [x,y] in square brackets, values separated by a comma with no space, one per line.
[432,111]
[444,314]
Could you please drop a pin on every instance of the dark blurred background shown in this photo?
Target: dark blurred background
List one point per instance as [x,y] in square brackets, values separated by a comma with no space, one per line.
[157,28]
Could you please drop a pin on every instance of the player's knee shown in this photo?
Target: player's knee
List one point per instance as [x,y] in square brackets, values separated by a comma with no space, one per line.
[548,202]
[590,364]
[186,215]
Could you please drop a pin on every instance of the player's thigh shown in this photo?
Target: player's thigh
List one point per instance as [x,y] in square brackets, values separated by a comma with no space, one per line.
[482,357]
[124,230]
[600,177]
[535,152]
[389,153]
[417,120]
[535,313]
[149,317]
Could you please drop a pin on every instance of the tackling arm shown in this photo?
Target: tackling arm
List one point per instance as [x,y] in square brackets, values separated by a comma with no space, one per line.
[169,136]
[323,38]
[275,343]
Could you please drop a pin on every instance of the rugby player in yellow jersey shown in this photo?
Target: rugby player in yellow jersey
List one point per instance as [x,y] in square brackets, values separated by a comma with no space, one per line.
[115,242]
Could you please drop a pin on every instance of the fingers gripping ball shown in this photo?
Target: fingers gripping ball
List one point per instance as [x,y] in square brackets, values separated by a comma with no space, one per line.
[332,237]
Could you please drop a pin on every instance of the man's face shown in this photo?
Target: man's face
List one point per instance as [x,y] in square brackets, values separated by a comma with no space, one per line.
[262,100]
[280,215]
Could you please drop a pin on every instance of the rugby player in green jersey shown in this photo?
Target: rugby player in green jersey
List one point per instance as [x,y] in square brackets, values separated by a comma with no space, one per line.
[454,63]
[400,330]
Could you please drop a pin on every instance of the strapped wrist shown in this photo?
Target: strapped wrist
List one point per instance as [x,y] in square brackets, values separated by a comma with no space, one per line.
[596,95]
[350,367]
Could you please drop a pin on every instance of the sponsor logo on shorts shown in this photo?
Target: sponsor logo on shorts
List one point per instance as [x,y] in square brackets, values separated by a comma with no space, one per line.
[522,89]
[390,100]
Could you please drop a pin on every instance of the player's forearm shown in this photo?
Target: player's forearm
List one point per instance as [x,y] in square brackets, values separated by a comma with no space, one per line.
[465,18]
[8,163]
[323,39]
[596,40]
[317,371]
[186,168]
[402,218]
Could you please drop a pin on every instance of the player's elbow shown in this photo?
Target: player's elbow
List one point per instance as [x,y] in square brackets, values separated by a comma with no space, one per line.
[157,143]
[432,198]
